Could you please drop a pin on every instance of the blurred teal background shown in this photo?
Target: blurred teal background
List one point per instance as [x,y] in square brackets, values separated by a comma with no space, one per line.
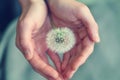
[9,9]
[103,64]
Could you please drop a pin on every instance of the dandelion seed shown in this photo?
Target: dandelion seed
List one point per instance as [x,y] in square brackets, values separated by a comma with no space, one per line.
[60,40]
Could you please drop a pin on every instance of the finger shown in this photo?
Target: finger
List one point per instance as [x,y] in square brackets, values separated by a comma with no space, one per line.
[41,48]
[26,45]
[67,70]
[80,59]
[44,57]
[41,67]
[24,39]
[56,79]
[67,56]
[65,61]
[82,33]
[29,57]
[89,22]
[56,59]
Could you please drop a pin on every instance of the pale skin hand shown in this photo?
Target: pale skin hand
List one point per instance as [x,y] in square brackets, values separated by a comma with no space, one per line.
[32,28]
[78,17]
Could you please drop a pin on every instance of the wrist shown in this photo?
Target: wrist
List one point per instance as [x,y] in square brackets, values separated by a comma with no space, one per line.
[30,1]
[53,3]
[26,3]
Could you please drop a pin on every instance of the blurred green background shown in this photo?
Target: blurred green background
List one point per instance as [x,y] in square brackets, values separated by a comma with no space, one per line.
[103,64]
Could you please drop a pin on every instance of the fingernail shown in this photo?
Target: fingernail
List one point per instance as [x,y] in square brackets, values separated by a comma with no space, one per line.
[95,37]
[28,54]
[98,38]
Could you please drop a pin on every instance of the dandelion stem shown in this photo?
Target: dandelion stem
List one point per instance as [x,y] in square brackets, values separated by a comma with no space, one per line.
[52,23]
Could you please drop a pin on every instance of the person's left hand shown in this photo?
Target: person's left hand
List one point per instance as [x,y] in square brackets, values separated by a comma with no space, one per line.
[77,17]
[32,28]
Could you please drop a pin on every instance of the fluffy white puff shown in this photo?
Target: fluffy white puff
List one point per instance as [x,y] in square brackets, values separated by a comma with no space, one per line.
[60,40]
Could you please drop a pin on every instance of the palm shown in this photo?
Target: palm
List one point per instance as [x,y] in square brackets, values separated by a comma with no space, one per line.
[66,15]
[39,39]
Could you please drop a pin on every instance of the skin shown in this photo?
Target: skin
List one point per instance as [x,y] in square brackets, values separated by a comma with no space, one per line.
[33,25]
[78,17]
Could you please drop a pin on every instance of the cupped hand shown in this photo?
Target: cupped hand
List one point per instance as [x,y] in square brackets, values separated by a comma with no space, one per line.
[32,28]
[77,17]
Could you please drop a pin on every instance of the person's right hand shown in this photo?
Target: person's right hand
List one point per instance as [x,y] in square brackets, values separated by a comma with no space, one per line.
[76,16]
[32,28]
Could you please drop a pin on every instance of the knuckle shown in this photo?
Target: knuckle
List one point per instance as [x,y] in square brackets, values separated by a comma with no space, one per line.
[92,49]
[89,50]
[96,26]
[83,62]
[17,44]
[37,67]
[83,59]
[23,44]
[83,6]
[73,68]
[25,49]
[24,22]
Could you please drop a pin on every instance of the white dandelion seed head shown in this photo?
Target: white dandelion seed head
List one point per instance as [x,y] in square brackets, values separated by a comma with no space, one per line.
[60,40]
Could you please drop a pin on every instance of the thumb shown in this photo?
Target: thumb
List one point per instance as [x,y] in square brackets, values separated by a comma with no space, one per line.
[89,22]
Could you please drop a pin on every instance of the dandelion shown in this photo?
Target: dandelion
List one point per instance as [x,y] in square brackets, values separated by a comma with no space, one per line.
[60,40]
